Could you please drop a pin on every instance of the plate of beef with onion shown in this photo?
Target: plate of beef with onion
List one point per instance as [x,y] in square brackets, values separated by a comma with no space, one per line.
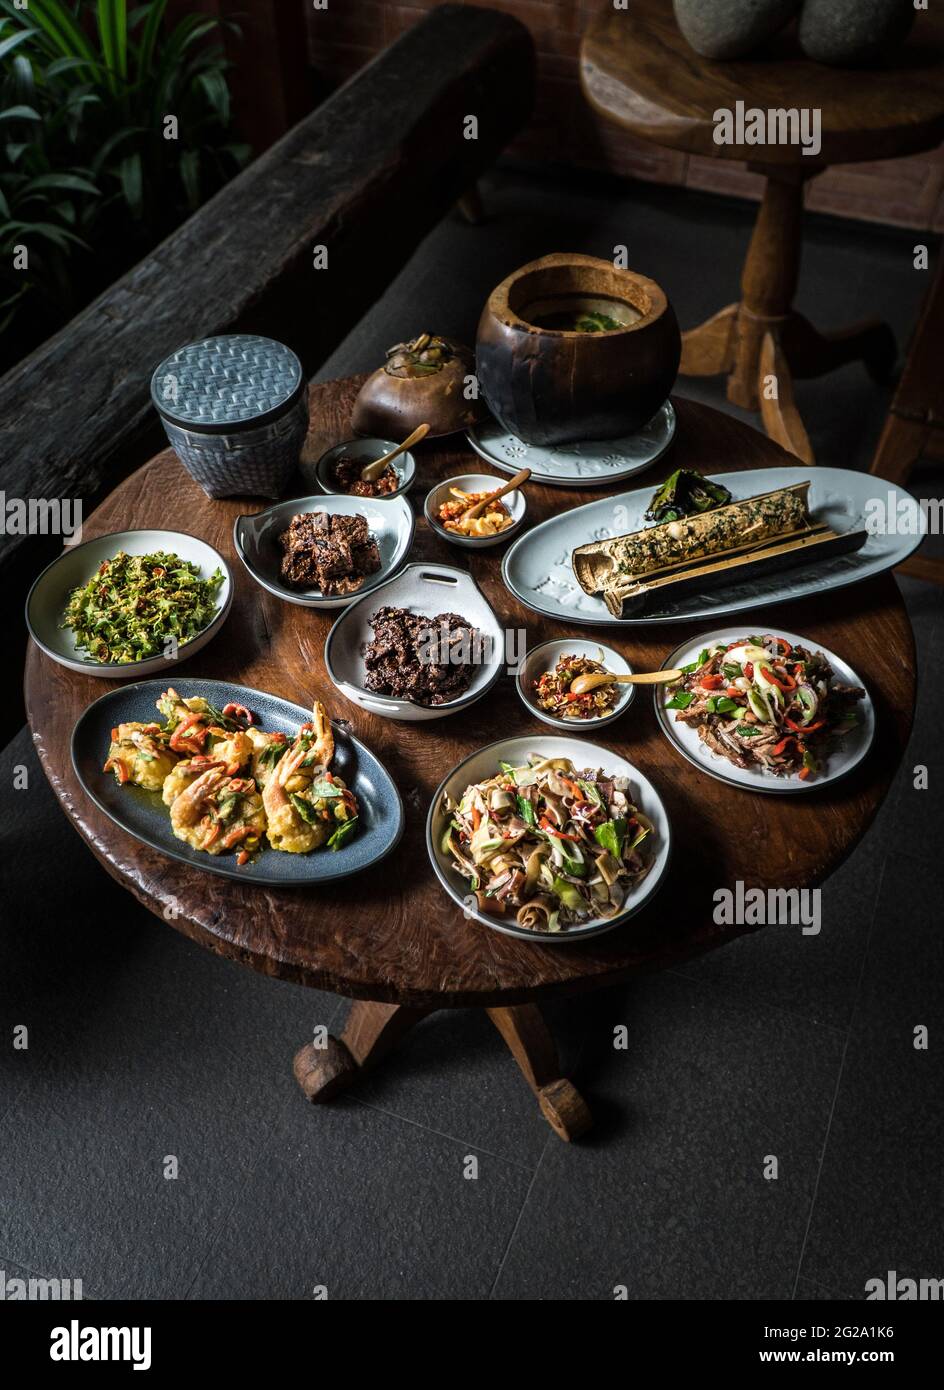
[766,710]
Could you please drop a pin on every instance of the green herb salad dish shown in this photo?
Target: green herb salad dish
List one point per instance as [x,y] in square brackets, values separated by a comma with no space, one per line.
[136,606]
[131,603]
[548,838]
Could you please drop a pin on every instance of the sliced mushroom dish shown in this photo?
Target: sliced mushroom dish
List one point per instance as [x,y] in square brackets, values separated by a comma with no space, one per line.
[760,702]
[549,845]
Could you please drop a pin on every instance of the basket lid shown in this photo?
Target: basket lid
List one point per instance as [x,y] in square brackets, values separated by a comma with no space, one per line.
[230,382]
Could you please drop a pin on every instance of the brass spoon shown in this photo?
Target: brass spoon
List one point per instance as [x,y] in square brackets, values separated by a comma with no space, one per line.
[373,470]
[479,507]
[594,678]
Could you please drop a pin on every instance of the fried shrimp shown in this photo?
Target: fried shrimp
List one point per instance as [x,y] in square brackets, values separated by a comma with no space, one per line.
[185,773]
[267,749]
[289,828]
[228,783]
[139,754]
[305,804]
[215,813]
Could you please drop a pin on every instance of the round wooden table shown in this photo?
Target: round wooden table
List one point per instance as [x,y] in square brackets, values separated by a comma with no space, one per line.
[638,71]
[390,936]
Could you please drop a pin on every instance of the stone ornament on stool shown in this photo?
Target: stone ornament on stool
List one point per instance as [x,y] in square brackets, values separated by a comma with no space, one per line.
[731,28]
[845,33]
[850,32]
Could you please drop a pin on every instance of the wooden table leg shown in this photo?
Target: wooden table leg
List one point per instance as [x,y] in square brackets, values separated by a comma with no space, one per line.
[532,1047]
[762,343]
[778,408]
[371,1031]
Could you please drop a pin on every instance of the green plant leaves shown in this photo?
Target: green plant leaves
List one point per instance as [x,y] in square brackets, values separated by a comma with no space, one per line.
[20,113]
[190,176]
[8,44]
[85,90]
[69,182]
[113,32]
[146,46]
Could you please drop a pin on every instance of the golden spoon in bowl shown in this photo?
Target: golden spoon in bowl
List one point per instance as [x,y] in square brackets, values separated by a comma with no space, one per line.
[373,470]
[582,684]
[479,507]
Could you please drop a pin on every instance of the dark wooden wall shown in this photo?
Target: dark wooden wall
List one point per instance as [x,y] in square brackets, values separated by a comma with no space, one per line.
[905,192]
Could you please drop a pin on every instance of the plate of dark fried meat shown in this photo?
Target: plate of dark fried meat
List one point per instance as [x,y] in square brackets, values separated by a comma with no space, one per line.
[422,646]
[323,552]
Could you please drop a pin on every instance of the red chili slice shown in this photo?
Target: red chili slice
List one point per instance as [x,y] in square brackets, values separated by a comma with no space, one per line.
[234,711]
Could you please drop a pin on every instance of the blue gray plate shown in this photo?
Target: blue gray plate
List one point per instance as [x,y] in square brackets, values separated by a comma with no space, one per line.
[143,814]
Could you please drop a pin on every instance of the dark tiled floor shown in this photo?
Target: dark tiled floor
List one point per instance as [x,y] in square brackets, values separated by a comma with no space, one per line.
[142,1047]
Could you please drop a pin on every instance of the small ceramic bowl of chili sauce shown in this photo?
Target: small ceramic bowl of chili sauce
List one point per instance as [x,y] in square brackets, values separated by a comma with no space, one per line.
[339,470]
[559,662]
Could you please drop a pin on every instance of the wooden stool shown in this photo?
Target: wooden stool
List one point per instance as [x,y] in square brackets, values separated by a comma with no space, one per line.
[915,425]
[638,70]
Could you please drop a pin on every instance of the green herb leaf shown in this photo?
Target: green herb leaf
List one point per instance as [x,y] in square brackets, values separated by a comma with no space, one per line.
[610,836]
[343,833]
[304,809]
[680,700]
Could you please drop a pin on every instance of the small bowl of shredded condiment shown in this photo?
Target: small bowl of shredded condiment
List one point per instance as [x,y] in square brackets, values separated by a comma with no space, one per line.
[339,470]
[548,671]
[447,503]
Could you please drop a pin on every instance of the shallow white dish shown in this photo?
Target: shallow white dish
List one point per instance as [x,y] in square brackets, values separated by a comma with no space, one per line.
[422,588]
[852,749]
[390,521]
[46,601]
[593,464]
[483,764]
[537,568]
[474,482]
[546,656]
[368,450]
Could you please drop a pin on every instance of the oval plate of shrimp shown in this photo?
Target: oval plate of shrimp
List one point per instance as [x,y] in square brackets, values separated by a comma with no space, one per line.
[237,782]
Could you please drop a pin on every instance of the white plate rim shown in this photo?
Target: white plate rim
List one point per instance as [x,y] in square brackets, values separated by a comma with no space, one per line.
[747,779]
[556,480]
[706,614]
[151,665]
[653,880]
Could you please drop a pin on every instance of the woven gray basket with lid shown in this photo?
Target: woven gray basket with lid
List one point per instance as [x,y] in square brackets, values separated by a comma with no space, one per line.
[235,409]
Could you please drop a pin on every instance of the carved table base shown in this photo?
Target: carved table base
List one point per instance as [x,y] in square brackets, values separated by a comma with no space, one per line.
[372,1030]
[762,343]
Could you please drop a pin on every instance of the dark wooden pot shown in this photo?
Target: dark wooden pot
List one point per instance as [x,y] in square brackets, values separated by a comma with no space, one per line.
[560,386]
